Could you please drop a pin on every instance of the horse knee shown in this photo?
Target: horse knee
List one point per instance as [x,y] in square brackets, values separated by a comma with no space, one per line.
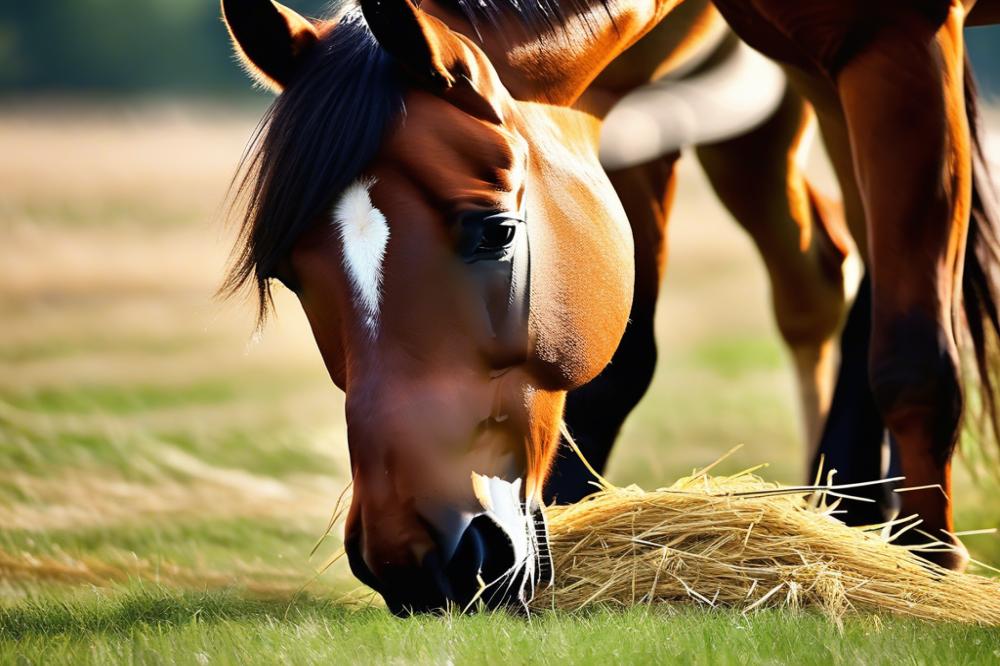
[809,327]
[915,382]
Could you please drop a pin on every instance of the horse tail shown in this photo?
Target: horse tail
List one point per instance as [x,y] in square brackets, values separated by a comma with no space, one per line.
[733,91]
[981,279]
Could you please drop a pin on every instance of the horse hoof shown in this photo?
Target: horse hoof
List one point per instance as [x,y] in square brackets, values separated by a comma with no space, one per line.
[954,559]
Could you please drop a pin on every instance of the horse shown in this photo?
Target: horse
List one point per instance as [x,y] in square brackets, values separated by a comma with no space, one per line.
[415,533]
[896,104]
[276,45]
[463,262]
[924,219]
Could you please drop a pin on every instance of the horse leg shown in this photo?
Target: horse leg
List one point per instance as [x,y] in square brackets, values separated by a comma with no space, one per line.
[800,237]
[596,411]
[854,441]
[903,102]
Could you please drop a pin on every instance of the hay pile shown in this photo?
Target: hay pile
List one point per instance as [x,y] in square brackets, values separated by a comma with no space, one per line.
[739,542]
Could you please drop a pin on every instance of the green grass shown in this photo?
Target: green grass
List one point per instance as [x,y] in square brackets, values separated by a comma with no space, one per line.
[55,347]
[151,626]
[139,397]
[212,543]
[134,452]
[737,357]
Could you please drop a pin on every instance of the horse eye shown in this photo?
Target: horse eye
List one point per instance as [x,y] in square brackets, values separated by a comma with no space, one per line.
[496,237]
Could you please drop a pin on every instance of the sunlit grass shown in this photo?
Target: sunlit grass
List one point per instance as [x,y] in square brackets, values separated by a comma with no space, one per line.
[152,626]
[209,542]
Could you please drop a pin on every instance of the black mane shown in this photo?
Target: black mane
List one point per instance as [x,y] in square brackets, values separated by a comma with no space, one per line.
[318,135]
[541,17]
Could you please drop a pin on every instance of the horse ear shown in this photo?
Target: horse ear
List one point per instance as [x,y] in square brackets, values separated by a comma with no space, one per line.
[270,38]
[422,44]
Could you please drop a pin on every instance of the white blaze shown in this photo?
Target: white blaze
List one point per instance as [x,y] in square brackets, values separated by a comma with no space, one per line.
[364,234]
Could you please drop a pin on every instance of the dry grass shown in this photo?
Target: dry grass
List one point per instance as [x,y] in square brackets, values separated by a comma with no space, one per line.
[66,569]
[739,542]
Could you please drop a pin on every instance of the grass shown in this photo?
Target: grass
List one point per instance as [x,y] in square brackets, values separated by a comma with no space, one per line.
[142,626]
[163,476]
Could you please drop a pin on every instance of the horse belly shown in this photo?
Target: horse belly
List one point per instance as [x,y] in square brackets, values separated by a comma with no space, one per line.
[821,34]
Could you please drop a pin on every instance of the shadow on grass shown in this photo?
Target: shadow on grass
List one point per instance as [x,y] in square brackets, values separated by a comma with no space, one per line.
[119,613]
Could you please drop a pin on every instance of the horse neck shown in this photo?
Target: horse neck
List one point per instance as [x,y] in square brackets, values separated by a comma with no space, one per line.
[556,66]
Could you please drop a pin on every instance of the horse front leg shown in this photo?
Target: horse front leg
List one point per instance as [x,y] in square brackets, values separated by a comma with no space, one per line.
[903,102]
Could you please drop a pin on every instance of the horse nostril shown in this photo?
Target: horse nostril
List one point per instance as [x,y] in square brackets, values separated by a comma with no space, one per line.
[408,584]
[496,557]
[483,557]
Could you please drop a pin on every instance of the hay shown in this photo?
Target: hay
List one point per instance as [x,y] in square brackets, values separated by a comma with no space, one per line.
[739,542]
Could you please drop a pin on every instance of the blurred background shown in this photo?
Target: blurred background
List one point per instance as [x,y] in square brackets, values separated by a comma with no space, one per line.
[146,432]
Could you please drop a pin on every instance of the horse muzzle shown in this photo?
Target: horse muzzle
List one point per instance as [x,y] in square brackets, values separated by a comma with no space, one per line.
[495,558]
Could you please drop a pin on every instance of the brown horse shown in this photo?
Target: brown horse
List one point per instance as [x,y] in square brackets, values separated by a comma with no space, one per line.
[463,262]
[896,107]
[416,533]
[453,361]
[418,513]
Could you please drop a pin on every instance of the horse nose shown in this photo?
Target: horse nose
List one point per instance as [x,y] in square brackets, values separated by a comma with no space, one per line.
[474,560]
[482,560]
[501,557]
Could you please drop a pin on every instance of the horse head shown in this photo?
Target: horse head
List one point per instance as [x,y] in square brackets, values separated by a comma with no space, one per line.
[463,262]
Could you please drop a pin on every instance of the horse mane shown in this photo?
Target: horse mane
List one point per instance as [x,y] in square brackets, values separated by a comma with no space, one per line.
[324,129]
[313,141]
[541,17]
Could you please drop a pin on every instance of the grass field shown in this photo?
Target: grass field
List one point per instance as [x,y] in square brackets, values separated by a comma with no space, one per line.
[164,473]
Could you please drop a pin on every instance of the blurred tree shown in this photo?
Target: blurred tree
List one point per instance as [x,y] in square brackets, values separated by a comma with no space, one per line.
[102,46]
[984,49]
[111,46]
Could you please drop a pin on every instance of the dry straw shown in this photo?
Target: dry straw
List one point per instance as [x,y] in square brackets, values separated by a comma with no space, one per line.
[739,542]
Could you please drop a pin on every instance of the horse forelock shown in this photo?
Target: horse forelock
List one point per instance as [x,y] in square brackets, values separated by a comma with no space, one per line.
[311,146]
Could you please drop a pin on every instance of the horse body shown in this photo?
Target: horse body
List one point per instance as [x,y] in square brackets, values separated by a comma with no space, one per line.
[897,113]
